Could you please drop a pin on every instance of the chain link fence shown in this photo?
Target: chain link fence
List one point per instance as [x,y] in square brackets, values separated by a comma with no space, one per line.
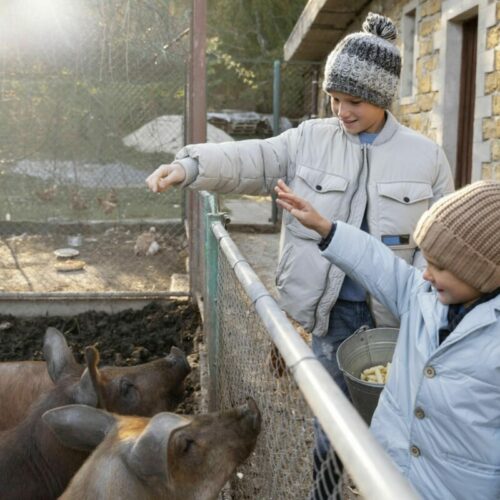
[253,350]
[243,103]
[92,101]
[250,365]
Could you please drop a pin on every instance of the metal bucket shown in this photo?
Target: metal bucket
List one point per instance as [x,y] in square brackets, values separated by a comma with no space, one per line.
[364,349]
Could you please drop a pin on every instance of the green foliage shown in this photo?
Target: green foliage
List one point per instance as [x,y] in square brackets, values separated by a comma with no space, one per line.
[245,37]
[253,29]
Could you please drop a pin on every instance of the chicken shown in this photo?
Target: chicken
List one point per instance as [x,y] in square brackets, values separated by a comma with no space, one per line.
[112,196]
[47,194]
[146,243]
[106,205]
[77,201]
[109,202]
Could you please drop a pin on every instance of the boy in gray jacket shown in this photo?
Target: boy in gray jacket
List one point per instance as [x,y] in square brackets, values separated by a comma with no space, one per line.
[439,414]
[361,167]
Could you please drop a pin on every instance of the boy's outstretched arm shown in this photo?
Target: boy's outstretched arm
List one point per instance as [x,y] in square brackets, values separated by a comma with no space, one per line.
[302,210]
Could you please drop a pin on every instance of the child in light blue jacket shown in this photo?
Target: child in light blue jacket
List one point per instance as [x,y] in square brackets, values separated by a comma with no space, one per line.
[438,416]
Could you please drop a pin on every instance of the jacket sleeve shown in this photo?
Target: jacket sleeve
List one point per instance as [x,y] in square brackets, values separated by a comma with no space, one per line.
[374,266]
[443,184]
[250,167]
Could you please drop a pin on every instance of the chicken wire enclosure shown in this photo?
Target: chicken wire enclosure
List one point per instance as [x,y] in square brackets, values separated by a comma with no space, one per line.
[248,364]
[299,87]
[243,105]
[92,101]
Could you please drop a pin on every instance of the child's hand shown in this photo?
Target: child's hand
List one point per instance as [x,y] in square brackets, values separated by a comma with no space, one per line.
[302,210]
[165,176]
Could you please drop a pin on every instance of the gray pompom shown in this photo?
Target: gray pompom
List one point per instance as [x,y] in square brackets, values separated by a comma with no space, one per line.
[380,26]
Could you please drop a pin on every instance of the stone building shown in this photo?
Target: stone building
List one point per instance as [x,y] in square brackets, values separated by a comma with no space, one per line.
[450,81]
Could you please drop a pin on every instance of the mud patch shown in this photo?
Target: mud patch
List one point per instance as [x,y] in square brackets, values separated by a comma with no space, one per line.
[129,337]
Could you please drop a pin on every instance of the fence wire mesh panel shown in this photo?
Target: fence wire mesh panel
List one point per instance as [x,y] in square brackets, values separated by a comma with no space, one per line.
[242,103]
[299,91]
[92,100]
[248,364]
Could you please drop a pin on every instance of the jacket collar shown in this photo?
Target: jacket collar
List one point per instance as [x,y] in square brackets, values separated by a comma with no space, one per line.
[389,129]
[482,315]
[434,315]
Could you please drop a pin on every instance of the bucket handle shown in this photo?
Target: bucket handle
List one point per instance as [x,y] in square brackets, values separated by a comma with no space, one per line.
[361,329]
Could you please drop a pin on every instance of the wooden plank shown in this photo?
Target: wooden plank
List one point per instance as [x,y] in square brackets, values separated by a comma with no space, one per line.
[317,16]
[302,27]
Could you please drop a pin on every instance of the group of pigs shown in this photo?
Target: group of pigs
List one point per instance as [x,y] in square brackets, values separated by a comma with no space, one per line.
[84,432]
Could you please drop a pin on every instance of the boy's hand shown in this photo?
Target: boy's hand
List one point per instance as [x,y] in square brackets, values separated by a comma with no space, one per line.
[302,210]
[165,176]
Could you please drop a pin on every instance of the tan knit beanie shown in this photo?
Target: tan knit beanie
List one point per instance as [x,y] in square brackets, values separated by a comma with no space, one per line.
[461,233]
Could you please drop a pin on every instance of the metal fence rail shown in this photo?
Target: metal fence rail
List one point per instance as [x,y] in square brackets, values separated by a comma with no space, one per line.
[244,327]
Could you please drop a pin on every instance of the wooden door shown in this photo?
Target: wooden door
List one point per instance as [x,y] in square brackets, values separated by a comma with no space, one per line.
[466,103]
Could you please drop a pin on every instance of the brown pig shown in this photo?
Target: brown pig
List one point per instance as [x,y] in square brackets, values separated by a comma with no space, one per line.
[133,390]
[169,457]
[33,464]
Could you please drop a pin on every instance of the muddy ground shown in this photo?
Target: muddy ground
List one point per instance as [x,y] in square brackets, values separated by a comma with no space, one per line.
[129,337]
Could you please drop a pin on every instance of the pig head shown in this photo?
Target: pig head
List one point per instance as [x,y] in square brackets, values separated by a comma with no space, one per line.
[33,463]
[132,390]
[169,456]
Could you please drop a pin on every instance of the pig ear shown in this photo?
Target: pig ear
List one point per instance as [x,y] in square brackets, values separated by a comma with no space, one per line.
[85,393]
[175,356]
[58,355]
[92,359]
[79,427]
[148,456]
[175,351]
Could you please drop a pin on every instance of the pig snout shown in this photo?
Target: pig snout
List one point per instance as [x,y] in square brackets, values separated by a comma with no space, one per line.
[250,415]
[178,359]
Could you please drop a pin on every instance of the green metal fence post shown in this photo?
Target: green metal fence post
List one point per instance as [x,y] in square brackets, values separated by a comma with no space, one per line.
[210,302]
[276,96]
[276,124]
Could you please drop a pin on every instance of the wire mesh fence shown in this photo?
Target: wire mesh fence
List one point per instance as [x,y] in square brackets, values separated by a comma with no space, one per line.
[243,105]
[249,365]
[92,100]
[253,350]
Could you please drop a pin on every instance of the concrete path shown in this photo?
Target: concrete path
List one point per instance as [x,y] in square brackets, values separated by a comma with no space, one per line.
[256,237]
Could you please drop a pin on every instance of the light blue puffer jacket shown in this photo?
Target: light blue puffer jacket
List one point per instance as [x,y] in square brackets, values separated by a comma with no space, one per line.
[439,414]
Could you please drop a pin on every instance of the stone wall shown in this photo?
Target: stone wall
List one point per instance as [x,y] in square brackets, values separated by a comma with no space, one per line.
[491,125]
[427,110]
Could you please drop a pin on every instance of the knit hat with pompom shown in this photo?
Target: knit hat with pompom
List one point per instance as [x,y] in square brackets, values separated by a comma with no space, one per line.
[366,64]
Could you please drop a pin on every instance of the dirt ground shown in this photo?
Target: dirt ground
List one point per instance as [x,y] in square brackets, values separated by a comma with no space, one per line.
[129,337]
[28,262]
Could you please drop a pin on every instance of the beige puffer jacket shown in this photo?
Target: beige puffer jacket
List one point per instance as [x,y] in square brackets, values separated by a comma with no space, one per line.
[396,178]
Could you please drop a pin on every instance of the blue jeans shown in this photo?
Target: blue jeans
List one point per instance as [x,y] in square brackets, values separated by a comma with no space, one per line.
[345,318]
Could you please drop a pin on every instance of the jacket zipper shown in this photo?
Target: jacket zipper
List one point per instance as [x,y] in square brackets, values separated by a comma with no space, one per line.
[360,171]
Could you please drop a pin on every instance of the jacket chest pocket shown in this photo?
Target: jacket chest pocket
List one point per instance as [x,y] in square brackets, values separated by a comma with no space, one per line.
[400,205]
[326,192]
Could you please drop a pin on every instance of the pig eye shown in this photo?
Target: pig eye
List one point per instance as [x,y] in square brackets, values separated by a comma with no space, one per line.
[188,443]
[126,388]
